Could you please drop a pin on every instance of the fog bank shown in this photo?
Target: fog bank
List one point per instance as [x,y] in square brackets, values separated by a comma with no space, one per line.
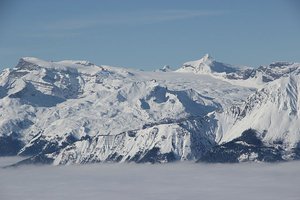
[169,181]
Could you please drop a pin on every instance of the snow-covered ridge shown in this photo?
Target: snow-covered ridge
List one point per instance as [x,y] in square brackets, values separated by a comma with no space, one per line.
[248,75]
[273,111]
[77,112]
[80,66]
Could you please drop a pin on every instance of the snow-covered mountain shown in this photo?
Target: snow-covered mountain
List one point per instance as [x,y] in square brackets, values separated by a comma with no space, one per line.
[207,65]
[77,112]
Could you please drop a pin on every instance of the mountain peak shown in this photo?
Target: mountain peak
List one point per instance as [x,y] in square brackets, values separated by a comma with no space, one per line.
[207,65]
[29,60]
[207,57]
[165,68]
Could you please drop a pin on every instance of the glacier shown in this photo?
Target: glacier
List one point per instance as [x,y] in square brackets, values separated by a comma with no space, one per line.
[76,112]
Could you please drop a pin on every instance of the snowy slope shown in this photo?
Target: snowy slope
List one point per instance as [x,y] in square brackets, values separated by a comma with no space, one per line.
[77,112]
[273,111]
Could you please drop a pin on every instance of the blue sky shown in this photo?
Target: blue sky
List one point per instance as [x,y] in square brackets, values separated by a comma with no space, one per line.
[149,34]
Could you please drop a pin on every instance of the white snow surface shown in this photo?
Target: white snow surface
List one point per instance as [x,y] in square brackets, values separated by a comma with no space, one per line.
[78,98]
[273,111]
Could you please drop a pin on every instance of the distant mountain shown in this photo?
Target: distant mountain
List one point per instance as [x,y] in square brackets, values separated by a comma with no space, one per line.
[165,68]
[71,112]
[260,75]
[207,65]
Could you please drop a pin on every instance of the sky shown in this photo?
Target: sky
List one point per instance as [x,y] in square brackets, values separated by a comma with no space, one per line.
[147,34]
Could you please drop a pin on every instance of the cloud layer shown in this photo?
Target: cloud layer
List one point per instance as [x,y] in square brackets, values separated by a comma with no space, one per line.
[169,181]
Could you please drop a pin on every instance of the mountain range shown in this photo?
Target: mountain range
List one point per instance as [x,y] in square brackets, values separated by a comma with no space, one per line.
[76,112]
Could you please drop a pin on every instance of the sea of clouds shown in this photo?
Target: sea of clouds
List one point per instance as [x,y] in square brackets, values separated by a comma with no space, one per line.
[174,181]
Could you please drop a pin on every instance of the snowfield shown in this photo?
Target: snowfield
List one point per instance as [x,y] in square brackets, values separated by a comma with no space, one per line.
[72,112]
[185,180]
